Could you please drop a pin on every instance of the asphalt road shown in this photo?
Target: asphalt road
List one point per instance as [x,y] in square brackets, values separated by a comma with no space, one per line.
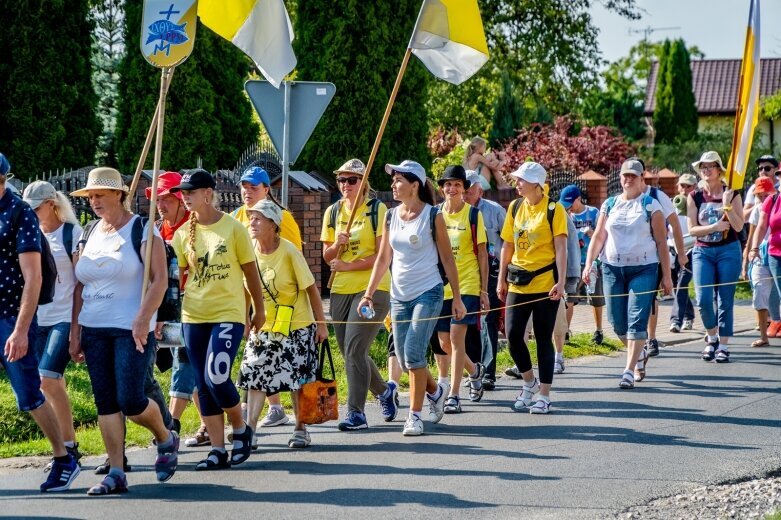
[601,450]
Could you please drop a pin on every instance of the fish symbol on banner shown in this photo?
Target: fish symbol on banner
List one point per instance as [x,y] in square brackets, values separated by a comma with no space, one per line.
[168,33]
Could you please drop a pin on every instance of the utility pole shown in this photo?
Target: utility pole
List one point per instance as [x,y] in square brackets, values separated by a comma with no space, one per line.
[646,32]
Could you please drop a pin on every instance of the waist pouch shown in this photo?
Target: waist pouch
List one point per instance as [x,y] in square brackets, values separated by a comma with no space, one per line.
[520,276]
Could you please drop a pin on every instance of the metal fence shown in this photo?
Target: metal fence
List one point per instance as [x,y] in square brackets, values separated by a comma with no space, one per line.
[560,179]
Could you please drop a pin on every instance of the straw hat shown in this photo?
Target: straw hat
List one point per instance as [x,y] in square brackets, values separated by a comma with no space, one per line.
[102,179]
[354,166]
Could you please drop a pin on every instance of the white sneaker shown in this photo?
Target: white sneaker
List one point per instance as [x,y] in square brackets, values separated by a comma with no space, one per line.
[558,366]
[436,409]
[526,397]
[687,325]
[542,406]
[414,426]
[274,417]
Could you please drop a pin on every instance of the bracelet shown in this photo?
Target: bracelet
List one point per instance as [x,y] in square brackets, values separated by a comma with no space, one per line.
[754,249]
[368,298]
[483,292]
[726,208]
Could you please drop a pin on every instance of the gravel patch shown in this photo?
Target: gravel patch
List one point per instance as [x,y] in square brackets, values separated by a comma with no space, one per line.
[748,499]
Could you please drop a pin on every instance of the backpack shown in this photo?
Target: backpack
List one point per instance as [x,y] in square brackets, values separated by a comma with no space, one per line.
[48,265]
[432,219]
[171,307]
[373,214]
[136,235]
[550,213]
[67,239]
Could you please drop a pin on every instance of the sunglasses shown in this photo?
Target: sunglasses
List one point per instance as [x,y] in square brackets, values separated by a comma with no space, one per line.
[352,181]
[765,168]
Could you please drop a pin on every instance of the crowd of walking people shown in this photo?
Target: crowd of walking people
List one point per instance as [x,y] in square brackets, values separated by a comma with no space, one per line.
[449,278]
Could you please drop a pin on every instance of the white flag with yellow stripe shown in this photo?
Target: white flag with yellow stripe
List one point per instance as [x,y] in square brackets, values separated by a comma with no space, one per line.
[747,114]
[449,39]
[260,28]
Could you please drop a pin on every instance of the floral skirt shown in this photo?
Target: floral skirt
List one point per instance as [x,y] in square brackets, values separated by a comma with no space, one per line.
[275,363]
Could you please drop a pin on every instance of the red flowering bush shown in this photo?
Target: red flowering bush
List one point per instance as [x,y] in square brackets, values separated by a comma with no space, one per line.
[598,148]
[441,142]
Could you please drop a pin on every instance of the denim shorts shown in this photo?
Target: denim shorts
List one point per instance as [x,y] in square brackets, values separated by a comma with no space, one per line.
[630,293]
[413,324]
[472,304]
[23,373]
[182,377]
[51,347]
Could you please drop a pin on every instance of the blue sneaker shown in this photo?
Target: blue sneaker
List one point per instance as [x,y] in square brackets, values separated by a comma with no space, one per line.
[390,404]
[353,421]
[61,475]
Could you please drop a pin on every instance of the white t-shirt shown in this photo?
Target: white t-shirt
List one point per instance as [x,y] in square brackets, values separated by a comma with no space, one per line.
[112,276]
[629,239]
[753,219]
[664,201]
[415,257]
[59,310]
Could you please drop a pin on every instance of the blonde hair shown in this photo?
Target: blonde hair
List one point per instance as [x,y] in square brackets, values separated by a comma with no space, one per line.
[63,209]
[470,149]
[192,257]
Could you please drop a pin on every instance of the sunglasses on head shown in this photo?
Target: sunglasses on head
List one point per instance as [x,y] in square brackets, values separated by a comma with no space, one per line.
[766,168]
[352,181]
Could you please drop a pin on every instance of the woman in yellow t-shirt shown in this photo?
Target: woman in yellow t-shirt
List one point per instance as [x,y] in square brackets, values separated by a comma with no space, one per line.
[282,356]
[255,186]
[471,258]
[352,271]
[217,252]
[532,272]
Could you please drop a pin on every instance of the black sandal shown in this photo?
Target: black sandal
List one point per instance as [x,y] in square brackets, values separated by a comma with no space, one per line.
[215,460]
[242,453]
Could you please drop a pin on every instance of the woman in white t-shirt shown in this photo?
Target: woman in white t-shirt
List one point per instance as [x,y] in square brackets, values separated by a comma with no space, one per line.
[114,321]
[62,231]
[416,285]
[630,240]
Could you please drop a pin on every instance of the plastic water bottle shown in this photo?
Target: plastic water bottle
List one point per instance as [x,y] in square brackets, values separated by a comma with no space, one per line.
[173,274]
[592,278]
[367,312]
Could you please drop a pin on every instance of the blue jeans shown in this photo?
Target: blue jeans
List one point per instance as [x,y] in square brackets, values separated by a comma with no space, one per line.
[116,369]
[51,347]
[212,348]
[716,265]
[682,304]
[22,373]
[629,314]
[411,338]
[182,377]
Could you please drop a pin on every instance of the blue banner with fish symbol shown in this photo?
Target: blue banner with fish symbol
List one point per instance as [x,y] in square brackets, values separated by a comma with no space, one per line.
[168,31]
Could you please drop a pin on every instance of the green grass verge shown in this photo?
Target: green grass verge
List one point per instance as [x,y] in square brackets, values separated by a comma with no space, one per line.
[774,516]
[742,291]
[20,436]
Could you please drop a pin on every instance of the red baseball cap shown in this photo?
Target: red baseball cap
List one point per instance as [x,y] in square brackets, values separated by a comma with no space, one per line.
[165,182]
[764,185]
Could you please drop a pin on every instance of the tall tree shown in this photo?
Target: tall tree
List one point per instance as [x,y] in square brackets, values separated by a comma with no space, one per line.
[208,116]
[47,107]
[664,122]
[107,54]
[508,114]
[358,46]
[684,104]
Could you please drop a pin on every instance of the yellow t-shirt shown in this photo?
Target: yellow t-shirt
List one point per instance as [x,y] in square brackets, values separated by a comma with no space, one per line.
[286,276]
[214,291]
[362,244]
[288,229]
[533,240]
[460,234]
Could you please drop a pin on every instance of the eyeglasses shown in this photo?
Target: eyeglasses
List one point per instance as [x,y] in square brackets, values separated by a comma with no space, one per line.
[352,181]
[765,168]
[708,166]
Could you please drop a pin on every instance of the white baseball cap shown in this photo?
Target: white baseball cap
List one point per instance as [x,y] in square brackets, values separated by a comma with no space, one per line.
[531,172]
[407,166]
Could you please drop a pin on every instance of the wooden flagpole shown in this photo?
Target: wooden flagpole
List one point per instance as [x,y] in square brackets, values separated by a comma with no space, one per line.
[165,80]
[375,148]
[148,142]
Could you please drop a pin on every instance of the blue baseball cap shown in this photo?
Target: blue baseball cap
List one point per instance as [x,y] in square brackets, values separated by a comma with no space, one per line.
[5,166]
[569,195]
[255,175]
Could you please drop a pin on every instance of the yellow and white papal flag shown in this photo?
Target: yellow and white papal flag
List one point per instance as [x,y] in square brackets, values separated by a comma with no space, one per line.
[747,115]
[449,39]
[260,28]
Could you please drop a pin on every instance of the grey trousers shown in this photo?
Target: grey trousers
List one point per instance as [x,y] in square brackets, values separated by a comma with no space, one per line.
[354,341]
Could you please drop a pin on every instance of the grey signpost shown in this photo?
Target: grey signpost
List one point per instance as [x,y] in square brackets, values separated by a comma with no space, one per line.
[290,115]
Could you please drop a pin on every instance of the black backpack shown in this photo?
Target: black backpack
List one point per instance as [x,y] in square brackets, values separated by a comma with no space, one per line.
[48,265]
[171,307]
